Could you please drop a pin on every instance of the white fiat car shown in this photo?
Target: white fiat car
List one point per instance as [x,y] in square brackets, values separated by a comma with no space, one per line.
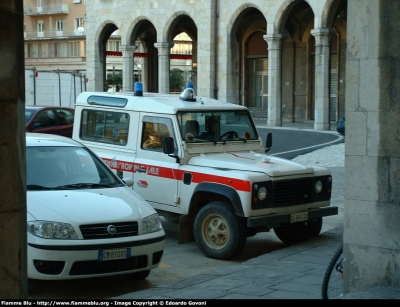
[82,220]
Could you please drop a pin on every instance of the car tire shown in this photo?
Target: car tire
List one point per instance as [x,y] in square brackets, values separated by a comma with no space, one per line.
[139,275]
[219,232]
[299,232]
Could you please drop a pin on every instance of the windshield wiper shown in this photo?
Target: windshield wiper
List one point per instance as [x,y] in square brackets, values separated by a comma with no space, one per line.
[86,186]
[37,187]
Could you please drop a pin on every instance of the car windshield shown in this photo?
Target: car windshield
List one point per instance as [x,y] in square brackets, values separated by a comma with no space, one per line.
[28,115]
[66,168]
[217,126]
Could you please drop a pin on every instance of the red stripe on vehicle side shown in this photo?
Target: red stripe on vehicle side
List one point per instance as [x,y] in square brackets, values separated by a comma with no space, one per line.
[169,173]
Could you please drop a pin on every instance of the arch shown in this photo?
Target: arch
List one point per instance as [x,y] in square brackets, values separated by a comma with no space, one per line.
[136,28]
[278,24]
[246,25]
[332,8]
[176,20]
[104,31]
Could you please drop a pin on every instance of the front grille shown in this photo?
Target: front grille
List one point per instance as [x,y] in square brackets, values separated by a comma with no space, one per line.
[100,267]
[293,192]
[99,231]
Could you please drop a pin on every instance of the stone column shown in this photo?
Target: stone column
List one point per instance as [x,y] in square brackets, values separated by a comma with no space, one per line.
[163,66]
[274,78]
[127,67]
[13,235]
[322,74]
[372,166]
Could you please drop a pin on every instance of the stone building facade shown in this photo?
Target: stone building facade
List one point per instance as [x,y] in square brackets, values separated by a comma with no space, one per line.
[289,60]
[283,59]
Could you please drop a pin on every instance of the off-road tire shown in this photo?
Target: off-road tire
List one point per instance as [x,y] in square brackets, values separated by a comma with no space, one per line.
[299,232]
[219,232]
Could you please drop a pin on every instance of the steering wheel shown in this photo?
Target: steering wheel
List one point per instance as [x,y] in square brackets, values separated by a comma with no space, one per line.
[229,135]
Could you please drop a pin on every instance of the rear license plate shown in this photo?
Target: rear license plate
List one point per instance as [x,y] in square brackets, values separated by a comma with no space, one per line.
[114,254]
[298,217]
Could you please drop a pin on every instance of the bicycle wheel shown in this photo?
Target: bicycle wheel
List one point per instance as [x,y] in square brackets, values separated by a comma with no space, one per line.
[332,286]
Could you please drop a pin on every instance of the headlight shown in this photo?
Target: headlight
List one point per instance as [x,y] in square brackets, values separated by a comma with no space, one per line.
[52,230]
[318,186]
[151,223]
[262,193]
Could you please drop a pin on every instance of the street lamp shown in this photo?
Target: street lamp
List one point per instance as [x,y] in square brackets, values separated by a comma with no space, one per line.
[139,67]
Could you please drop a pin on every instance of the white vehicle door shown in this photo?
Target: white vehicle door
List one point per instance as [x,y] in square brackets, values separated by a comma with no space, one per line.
[156,174]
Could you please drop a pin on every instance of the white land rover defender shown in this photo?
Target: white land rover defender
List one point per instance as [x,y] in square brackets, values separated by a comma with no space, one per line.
[201,163]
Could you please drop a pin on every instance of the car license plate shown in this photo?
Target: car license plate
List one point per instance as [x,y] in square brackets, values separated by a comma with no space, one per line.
[114,254]
[298,217]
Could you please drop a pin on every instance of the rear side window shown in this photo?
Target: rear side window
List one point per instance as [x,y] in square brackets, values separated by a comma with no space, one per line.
[105,126]
[65,117]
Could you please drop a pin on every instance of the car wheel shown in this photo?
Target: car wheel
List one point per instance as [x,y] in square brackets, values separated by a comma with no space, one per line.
[298,232]
[139,275]
[219,232]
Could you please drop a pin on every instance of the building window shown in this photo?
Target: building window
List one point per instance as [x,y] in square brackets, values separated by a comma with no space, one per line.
[79,22]
[113,45]
[59,25]
[74,49]
[40,26]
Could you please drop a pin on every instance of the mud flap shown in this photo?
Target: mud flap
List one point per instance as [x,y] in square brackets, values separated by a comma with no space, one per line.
[185,233]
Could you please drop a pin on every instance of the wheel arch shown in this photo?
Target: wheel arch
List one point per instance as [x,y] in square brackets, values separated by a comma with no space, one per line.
[203,194]
[215,191]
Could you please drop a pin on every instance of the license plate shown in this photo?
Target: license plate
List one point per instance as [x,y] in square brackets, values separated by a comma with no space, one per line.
[298,217]
[114,254]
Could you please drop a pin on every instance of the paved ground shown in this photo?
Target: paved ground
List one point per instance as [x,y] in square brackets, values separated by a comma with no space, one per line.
[293,272]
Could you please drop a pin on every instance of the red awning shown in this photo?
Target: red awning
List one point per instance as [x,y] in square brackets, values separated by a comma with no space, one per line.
[146,55]
[180,56]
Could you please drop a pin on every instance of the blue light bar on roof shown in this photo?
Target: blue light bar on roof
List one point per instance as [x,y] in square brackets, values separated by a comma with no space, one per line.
[138,89]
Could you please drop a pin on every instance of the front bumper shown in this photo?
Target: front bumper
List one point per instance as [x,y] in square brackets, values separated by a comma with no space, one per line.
[59,262]
[275,220]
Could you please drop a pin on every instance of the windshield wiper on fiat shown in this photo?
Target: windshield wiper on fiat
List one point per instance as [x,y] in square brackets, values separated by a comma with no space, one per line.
[37,187]
[86,185]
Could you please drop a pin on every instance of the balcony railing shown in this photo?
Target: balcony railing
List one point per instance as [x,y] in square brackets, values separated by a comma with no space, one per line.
[54,34]
[49,9]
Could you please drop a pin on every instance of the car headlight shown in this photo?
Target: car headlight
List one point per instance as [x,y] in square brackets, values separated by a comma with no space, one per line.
[151,223]
[318,186]
[52,230]
[262,193]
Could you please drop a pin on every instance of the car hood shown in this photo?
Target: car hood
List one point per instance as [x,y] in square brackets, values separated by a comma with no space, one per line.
[252,162]
[87,206]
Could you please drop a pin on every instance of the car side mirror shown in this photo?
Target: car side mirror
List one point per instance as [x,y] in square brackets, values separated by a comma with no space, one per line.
[268,142]
[169,147]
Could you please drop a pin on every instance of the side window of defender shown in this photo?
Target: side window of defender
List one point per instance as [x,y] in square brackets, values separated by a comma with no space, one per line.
[154,129]
[105,127]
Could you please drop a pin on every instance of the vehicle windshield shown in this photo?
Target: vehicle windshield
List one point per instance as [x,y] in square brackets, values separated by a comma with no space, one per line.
[217,126]
[66,168]
[28,115]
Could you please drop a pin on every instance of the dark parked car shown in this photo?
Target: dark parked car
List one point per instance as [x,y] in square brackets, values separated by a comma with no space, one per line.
[340,126]
[49,119]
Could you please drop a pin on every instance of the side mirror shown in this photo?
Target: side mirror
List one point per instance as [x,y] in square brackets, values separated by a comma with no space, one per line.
[128,181]
[169,147]
[268,142]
